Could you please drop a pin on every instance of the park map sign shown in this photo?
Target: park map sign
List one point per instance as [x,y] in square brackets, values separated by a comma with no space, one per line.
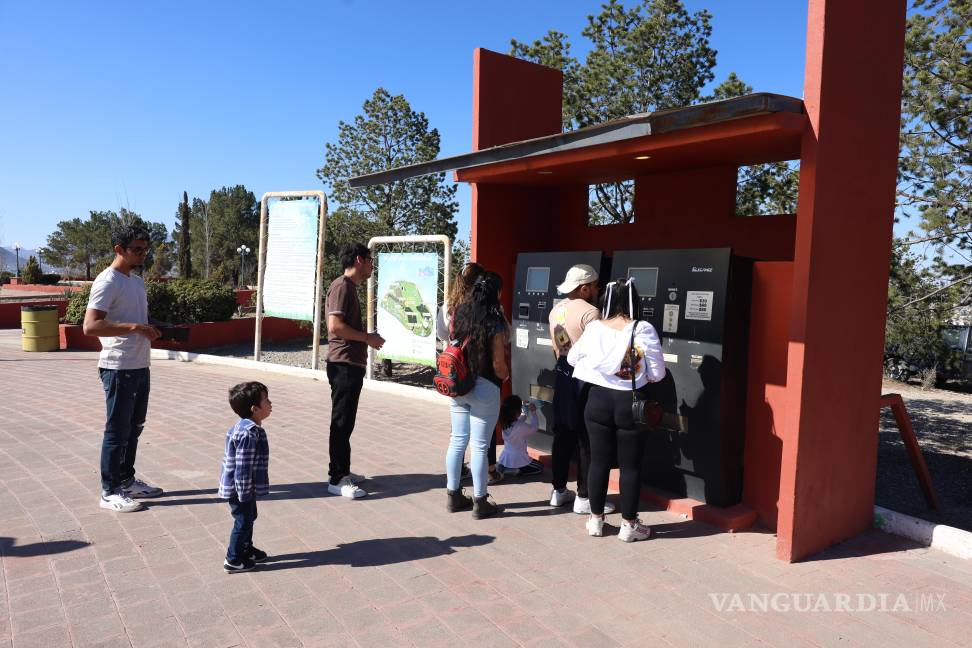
[407,292]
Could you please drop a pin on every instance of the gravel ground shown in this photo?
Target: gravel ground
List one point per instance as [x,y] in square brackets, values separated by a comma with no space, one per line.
[942,421]
[297,353]
[943,424]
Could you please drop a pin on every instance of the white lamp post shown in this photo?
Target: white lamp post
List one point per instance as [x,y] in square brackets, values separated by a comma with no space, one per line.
[243,250]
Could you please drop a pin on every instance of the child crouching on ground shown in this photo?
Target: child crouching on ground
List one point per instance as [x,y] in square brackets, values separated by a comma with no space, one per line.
[518,422]
[244,473]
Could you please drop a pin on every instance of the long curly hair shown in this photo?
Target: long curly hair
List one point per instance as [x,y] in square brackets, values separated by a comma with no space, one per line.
[462,284]
[478,319]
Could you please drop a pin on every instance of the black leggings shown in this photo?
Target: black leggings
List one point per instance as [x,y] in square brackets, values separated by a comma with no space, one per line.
[613,435]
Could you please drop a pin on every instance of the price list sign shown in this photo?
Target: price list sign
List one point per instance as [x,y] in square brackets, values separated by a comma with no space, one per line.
[698,305]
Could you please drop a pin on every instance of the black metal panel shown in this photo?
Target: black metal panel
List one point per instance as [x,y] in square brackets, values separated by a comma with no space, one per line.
[701,311]
[532,348]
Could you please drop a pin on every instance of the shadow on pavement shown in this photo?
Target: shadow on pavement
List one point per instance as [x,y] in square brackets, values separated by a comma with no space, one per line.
[9,548]
[377,552]
[870,543]
[380,487]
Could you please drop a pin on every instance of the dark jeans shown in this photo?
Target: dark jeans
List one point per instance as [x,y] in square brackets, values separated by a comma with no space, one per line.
[491,453]
[568,439]
[569,429]
[613,434]
[241,537]
[346,383]
[126,400]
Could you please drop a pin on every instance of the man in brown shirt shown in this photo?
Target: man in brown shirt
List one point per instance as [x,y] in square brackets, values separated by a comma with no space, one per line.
[347,358]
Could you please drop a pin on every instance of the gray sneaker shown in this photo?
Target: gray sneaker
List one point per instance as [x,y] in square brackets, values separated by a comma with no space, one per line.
[137,489]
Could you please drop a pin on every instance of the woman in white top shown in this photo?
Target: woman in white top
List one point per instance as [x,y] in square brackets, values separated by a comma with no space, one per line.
[604,357]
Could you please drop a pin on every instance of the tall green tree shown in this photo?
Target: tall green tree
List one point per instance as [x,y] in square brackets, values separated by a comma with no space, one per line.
[652,56]
[388,133]
[233,218]
[184,230]
[935,164]
[761,189]
[79,245]
[31,272]
[85,245]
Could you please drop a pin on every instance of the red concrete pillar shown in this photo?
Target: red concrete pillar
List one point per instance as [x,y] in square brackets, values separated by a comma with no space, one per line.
[852,93]
[513,100]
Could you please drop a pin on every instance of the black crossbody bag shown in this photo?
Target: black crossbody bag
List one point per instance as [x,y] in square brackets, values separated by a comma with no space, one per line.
[647,413]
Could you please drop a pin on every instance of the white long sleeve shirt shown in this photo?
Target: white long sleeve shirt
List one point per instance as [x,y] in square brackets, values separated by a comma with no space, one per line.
[601,356]
[515,453]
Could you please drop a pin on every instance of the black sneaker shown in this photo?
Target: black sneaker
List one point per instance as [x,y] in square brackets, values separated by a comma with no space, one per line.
[243,565]
[466,473]
[256,555]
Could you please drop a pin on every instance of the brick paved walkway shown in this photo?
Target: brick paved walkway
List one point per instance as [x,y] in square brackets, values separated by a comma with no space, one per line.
[393,569]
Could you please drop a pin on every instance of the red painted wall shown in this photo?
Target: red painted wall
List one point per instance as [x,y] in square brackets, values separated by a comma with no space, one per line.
[40,288]
[766,391]
[675,210]
[202,336]
[513,100]
[10,311]
[852,92]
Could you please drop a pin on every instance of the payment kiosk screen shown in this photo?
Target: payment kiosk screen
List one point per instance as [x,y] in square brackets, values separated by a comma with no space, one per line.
[538,279]
[646,280]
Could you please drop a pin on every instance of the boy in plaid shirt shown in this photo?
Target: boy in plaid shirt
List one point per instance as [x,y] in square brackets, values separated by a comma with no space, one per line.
[244,472]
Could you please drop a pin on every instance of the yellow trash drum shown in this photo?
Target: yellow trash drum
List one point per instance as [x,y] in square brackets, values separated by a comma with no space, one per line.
[39,327]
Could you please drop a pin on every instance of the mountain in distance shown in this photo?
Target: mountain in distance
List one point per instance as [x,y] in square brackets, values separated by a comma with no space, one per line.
[8,260]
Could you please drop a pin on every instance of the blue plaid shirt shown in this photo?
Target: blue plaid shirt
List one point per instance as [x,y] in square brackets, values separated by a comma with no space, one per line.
[245,463]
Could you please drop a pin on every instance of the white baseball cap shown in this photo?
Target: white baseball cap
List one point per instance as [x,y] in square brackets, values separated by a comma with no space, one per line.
[578,275]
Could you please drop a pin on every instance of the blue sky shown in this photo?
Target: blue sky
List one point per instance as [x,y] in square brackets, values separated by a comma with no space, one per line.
[127,104]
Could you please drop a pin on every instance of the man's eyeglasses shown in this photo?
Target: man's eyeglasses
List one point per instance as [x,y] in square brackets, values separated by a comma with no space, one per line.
[138,249]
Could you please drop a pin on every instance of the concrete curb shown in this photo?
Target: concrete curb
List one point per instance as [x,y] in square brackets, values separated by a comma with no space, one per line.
[299,372]
[955,542]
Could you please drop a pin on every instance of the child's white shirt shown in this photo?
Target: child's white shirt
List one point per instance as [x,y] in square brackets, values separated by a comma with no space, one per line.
[515,453]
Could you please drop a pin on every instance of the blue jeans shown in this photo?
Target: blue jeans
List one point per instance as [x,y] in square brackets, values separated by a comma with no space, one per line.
[241,537]
[473,421]
[126,402]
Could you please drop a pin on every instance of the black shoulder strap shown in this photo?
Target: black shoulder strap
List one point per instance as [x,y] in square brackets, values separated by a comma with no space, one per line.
[634,356]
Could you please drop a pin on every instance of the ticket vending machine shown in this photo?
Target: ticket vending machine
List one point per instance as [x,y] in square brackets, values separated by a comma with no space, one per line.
[534,294]
[698,300]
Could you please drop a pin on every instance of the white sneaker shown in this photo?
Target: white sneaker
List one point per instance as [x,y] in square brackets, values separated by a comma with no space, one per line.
[582,506]
[634,532]
[137,489]
[346,488]
[119,502]
[595,526]
[559,498]
[355,478]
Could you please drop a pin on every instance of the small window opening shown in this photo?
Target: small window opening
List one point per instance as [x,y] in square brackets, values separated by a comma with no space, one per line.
[611,203]
[767,189]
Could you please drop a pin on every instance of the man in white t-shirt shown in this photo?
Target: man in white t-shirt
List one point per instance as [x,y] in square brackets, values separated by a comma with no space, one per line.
[118,314]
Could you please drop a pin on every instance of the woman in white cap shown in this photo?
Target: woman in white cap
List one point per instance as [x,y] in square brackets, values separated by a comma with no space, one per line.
[610,352]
